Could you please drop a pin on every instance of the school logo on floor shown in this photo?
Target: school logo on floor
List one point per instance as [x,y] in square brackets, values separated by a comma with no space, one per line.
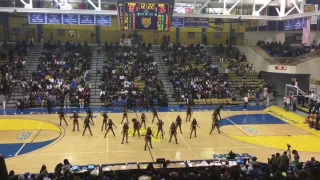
[24,136]
[250,130]
[143,132]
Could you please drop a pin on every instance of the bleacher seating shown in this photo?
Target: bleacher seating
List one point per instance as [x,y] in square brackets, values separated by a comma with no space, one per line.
[222,77]
[129,77]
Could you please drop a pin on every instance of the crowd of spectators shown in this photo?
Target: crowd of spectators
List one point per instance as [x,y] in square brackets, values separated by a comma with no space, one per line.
[194,74]
[11,70]
[62,77]
[279,49]
[285,166]
[129,77]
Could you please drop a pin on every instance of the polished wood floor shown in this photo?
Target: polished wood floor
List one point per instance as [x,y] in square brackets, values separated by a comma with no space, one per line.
[83,150]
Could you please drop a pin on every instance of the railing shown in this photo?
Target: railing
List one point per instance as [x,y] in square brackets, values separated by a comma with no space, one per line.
[282,60]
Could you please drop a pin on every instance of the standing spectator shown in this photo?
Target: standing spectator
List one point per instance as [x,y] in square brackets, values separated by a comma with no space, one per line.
[275,97]
[11,55]
[51,37]
[265,97]
[99,49]
[275,162]
[258,98]
[245,102]
[42,38]
[13,36]
[288,103]
[49,105]
[19,106]
[284,160]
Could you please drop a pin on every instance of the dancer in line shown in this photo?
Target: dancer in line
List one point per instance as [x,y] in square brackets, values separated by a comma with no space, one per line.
[125,114]
[90,115]
[110,127]
[179,122]
[104,121]
[143,120]
[125,130]
[75,117]
[160,128]
[62,115]
[149,134]
[86,125]
[136,127]
[173,132]
[155,113]
[194,125]
[215,122]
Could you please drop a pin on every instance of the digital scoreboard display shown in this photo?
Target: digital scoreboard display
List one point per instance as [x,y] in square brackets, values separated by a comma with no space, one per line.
[153,15]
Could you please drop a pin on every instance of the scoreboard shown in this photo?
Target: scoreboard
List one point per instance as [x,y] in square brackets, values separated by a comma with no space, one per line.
[153,15]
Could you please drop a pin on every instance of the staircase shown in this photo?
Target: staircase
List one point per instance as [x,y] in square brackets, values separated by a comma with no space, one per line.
[96,65]
[31,66]
[163,75]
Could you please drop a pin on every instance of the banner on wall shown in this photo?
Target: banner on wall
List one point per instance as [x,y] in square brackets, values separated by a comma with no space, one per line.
[87,19]
[103,20]
[177,22]
[37,18]
[293,38]
[196,22]
[288,25]
[54,18]
[69,19]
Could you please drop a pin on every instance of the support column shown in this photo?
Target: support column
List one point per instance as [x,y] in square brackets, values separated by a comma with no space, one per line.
[177,35]
[40,26]
[232,35]
[98,34]
[5,26]
[203,35]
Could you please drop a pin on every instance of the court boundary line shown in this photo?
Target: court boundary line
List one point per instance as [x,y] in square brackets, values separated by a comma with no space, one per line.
[246,133]
[28,139]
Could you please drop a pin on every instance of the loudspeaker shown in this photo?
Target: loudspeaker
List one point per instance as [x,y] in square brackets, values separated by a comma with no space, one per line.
[3,168]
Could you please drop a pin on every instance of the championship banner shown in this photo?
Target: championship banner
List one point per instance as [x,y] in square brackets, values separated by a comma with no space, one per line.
[312,8]
[306,32]
[125,42]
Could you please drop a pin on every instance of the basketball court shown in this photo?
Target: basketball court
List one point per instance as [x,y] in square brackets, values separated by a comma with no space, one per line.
[35,138]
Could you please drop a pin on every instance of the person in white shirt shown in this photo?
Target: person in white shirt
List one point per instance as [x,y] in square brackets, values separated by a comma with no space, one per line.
[81,89]
[102,92]
[245,102]
[288,103]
